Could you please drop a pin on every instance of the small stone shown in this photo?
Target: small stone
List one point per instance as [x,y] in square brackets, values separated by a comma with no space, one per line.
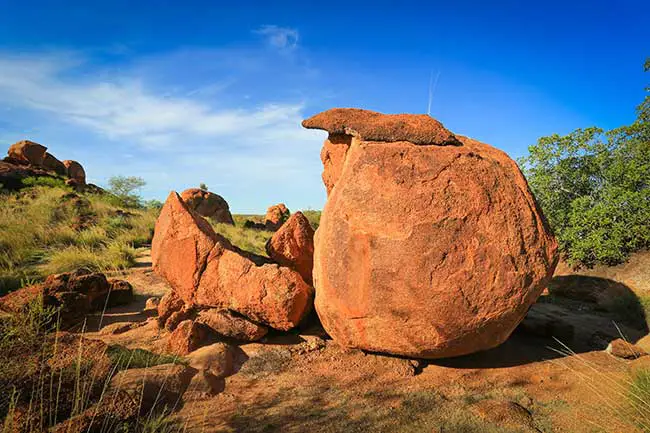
[622,349]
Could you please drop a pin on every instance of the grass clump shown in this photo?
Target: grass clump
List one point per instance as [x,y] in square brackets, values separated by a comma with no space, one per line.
[123,358]
[46,228]
[251,240]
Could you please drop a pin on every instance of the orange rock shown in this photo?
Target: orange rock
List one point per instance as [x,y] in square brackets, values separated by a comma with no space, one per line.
[186,338]
[208,204]
[225,323]
[28,152]
[333,156]
[270,294]
[276,215]
[180,247]
[75,171]
[168,305]
[425,249]
[53,164]
[206,270]
[293,246]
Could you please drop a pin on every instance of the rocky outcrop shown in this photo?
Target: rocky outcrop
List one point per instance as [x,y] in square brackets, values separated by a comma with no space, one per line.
[430,244]
[75,171]
[208,205]
[74,294]
[28,159]
[206,271]
[186,338]
[28,152]
[276,215]
[293,246]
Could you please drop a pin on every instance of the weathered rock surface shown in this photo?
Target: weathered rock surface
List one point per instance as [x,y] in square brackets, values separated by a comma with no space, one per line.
[216,359]
[208,204]
[75,294]
[225,323]
[161,385]
[430,245]
[276,215]
[206,270]
[28,152]
[75,171]
[168,305]
[186,338]
[293,246]
[51,163]
[624,349]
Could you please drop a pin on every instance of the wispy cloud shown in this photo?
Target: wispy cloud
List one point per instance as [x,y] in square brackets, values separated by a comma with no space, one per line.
[279,37]
[178,130]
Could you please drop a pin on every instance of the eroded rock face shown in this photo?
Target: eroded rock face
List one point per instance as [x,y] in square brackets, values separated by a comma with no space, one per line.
[75,171]
[28,152]
[186,338]
[293,246]
[208,204]
[276,215]
[207,271]
[430,245]
[51,163]
[225,323]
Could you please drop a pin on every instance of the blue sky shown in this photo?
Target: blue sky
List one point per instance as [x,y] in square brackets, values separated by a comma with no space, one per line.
[199,91]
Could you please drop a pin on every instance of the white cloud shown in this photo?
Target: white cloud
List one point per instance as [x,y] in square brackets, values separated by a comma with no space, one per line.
[123,108]
[254,150]
[279,37]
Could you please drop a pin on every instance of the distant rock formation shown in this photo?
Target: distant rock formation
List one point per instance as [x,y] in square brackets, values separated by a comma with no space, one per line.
[28,159]
[293,246]
[208,205]
[276,215]
[430,244]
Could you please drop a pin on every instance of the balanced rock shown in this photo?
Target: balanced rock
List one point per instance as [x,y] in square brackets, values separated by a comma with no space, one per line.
[28,152]
[430,245]
[205,270]
[276,215]
[293,246]
[208,204]
[75,171]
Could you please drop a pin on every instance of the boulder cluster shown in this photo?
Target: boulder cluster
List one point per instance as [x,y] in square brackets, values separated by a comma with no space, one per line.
[430,245]
[219,289]
[73,294]
[26,158]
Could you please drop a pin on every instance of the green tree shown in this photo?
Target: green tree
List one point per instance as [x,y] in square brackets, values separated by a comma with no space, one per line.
[203,186]
[125,187]
[594,188]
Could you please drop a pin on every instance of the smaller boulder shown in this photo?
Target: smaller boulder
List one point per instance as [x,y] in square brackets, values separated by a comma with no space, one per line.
[120,293]
[623,349]
[152,303]
[204,385]
[217,359]
[225,323]
[161,385]
[176,318]
[208,204]
[276,216]
[53,164]
[293,246]
[186,338]
[169,304]
[75,171]
[28,152]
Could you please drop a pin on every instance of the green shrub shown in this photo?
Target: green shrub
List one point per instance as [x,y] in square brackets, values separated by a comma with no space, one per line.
[46,181]
[594,188]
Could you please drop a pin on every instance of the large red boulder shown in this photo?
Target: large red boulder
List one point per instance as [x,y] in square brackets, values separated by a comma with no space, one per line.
[206,270]
[293,246]
[27,152]
[75,171]
[430,245]
[276,215]
[208,204]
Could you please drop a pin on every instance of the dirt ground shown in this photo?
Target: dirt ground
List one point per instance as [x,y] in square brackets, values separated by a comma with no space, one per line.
[304,382]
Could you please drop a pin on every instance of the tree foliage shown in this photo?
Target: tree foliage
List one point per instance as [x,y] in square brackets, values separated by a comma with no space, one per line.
[125,187]
[594,188]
